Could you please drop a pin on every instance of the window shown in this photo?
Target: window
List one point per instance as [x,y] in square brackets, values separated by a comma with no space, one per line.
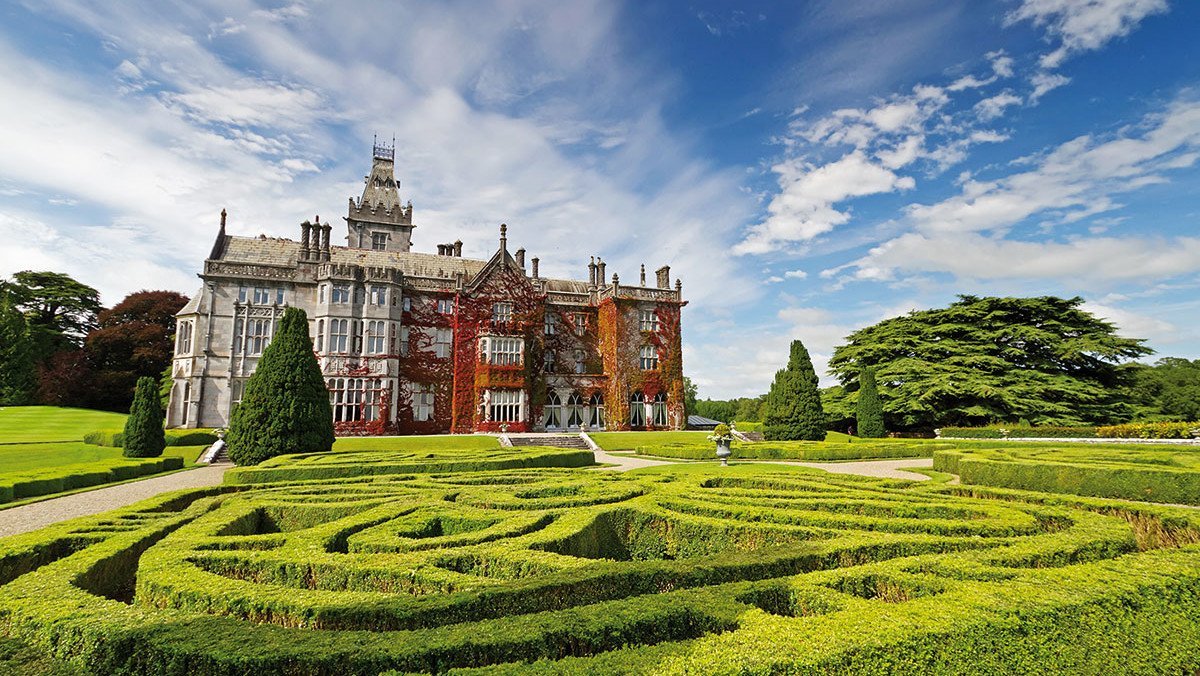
[341,294]
[551,321]
[580,367]
[574,410]
[339,335]
[359,295]
[183,342]
[378,295]
[637,410]
[649,358]
[262,295]
[356,336]
[553,410]
[502,351]
[443,342]
[320,342]
[596,402]
[658,410]
[404,335]
[258,335]
[236,389]
[580,321]
[238,327]
[421,396]
[407,304]
[445,306]
[502,313]
[379,241]
[548,361]
[504,405]
[279,296]
[241,294]
[647,320]
[376,337]
[355,399]
[321,293]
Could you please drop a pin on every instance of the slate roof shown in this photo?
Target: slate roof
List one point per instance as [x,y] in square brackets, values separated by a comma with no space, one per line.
[701,421]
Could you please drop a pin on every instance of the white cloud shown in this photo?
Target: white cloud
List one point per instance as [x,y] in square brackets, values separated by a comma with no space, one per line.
[1133,324]
[1084,25]
[804,207]
[1044,83]
[992,107]
[1073,179]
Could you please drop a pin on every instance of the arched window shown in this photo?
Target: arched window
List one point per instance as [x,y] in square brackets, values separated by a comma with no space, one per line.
[574,410]
[553,410]
[637,410]
[597,405]
[658,410]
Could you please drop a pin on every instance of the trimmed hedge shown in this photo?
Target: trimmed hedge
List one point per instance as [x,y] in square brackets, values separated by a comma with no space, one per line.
[82,475]
[116,438]
[1159,430]
[1129,472]
[797,450]
[1019,432]
[560,570]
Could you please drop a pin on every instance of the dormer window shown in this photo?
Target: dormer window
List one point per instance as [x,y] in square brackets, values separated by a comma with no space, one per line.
[379,241]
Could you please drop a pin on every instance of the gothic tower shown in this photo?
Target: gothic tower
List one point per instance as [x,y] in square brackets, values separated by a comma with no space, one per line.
[377,220]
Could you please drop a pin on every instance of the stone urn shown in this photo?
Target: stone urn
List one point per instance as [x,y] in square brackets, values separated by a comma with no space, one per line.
[723,452]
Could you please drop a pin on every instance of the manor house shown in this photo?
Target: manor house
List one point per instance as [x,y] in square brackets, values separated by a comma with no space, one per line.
[415,342]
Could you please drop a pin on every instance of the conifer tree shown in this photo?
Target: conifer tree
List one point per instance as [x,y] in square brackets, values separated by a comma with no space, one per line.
[17,367]
[285,407]
[794,403]
[870,409]
[144,436]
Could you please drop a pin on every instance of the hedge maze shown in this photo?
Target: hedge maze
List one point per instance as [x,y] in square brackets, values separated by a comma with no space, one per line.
[520,561]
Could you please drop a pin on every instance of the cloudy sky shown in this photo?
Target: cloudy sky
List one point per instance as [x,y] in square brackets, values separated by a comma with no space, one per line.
[806,168]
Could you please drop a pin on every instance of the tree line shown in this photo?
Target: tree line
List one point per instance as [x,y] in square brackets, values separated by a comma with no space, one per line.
[987,360]
[60,347]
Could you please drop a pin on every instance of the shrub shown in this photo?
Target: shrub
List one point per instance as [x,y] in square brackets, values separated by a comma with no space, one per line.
[143,436]
[21,485]
[870,409]
[1000,432]
[116,438]
[1159,430]
[285,408]
[794,403]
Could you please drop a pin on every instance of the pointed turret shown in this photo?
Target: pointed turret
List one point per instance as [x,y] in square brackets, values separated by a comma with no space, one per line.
[378,220]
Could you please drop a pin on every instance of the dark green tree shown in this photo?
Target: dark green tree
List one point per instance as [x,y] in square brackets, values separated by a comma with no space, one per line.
[60,310]
[18,376]
[794,404]
[1167,391]
[285,407]
[988,360]
[144,437]
[689,396]
[869,409]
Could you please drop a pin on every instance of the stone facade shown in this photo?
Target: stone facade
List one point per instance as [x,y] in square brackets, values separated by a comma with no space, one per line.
[415,342]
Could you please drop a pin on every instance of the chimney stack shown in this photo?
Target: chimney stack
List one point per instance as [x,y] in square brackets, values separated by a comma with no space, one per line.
[521,257]
[592,273]
[664,277]
[325,228]
[643,277]
[534,263]
[305,229]
[504,237]
[600,271]
[441,249]
[458,248]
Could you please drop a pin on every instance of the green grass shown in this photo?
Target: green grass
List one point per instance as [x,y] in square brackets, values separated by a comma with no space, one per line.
[627,441]
[466,442]
[34,424]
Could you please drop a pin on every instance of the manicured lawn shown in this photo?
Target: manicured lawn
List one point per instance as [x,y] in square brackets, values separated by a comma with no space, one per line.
[706,469]
[445,442]
[622,441]
[34,424]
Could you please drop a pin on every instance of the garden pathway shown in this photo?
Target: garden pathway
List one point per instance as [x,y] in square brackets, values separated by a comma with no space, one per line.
[35,515]
[884,469]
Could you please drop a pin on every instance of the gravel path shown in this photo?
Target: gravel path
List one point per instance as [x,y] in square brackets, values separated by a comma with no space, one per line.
[37,515]
[884,469]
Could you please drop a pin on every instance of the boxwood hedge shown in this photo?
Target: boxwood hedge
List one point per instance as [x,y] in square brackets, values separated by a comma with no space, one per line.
[413,568]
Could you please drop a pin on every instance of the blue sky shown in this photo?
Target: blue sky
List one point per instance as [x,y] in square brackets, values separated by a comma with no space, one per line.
[806,168]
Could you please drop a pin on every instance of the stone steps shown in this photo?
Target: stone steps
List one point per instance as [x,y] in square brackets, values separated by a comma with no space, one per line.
[555,440]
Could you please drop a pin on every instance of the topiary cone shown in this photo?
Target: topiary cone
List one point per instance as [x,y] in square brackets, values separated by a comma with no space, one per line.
[144,436]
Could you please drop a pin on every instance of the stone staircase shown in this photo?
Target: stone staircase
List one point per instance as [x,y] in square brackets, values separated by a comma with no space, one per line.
[555,440]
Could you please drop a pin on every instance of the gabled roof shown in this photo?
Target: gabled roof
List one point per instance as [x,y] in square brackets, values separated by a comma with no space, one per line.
[286,253]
